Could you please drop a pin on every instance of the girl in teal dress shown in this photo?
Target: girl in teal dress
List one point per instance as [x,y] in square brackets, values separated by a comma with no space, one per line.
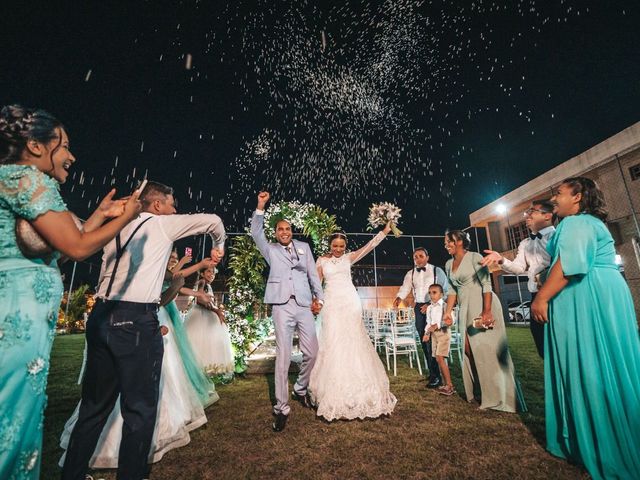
[34,160]
[592,369]
[200,382]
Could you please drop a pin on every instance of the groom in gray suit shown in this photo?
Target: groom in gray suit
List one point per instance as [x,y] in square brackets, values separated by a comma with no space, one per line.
[292,279]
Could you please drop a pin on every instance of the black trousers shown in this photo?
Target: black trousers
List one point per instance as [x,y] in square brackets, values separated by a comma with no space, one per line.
[124,357]
[421,322]
[537,330]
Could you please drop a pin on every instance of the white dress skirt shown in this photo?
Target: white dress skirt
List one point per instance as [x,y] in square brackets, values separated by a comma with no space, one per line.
[210,340]
[348,380]
[179,412]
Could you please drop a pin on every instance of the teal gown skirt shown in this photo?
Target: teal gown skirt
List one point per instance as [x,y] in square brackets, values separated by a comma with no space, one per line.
[29,303]
[592,364]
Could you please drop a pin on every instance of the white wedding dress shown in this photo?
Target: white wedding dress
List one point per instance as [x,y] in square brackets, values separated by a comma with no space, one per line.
[348,380]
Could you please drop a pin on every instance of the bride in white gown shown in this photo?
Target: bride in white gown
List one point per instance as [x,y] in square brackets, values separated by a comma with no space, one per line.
[348,380]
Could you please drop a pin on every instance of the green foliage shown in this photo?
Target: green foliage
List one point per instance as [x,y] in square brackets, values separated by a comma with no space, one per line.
[246,288]
[77,306]
[319,225]
[247,265]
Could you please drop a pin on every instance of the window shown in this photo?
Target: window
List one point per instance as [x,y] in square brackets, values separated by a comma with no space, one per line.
[518,233]
[634,171]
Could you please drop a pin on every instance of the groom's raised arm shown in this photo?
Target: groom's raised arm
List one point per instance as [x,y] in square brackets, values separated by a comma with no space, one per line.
[257,226]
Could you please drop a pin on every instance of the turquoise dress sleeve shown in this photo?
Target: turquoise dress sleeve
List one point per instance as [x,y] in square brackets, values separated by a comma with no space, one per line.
[28,192]
[575,243]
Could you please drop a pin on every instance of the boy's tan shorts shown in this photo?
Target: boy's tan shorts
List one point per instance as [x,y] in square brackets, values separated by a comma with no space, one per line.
[441,343]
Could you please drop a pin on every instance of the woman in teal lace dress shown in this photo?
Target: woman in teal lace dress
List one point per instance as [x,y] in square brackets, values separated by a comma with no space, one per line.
[592,369]
[34,159]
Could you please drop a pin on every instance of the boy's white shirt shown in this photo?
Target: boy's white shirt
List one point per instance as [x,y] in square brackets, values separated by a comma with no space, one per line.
[435,312]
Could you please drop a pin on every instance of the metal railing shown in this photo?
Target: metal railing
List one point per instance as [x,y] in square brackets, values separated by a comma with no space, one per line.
[385,266]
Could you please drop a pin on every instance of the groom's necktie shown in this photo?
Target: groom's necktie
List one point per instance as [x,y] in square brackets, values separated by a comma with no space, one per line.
[288,249]
[421,269]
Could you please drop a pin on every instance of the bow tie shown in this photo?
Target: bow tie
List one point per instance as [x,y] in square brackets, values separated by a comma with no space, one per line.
[533,236]
[421,269]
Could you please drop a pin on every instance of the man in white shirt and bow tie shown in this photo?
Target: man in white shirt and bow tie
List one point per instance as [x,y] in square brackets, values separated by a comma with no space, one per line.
[418,280]
[532,258]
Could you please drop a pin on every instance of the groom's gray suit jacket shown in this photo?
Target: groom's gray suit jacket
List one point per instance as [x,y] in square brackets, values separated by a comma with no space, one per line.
[289,276]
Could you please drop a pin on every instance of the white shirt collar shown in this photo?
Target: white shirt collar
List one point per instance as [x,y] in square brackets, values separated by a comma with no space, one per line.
[546,230]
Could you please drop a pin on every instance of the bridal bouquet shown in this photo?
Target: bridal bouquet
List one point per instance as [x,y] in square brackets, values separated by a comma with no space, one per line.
[382,213]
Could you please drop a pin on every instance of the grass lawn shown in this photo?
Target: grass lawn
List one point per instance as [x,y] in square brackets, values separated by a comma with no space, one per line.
[428,435]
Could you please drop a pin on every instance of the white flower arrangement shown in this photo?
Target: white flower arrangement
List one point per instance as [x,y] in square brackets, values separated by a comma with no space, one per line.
[382,213]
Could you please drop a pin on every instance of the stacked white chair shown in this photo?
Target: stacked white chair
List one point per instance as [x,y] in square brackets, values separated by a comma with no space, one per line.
[456,338]
[382,326]
[369,316]
[401,340]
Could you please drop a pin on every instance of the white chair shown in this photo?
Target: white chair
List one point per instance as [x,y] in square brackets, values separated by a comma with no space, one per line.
[368,321]
[456,338]
[381,326]
[401,341]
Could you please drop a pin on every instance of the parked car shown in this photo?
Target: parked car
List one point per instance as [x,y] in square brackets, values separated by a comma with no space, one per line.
[520,312]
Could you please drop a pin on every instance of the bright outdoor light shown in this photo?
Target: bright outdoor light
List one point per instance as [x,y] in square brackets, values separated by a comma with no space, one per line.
[501,208]
[618,260]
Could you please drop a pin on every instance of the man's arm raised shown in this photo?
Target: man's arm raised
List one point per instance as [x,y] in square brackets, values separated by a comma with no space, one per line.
[257,225]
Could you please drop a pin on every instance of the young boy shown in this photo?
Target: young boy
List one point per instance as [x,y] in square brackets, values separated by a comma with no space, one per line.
[440,336]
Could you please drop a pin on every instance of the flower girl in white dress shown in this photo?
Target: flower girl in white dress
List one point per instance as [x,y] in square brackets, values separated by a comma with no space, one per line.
[348,380]
[208,332]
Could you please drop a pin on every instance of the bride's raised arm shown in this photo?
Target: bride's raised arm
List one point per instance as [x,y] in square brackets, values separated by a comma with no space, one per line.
[373,243]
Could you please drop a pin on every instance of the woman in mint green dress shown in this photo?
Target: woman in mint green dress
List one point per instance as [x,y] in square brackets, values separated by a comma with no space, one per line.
[34,160]
[592,368]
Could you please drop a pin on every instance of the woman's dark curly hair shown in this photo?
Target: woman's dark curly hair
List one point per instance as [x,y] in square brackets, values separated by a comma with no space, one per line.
[18,125]
[592,201]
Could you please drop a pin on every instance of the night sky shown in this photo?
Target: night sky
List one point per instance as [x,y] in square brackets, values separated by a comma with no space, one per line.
[438,106]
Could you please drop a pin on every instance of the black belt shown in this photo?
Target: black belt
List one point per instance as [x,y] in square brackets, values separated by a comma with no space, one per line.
[133,306]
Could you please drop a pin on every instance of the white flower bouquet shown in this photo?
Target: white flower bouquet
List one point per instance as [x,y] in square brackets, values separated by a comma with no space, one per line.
[382,213]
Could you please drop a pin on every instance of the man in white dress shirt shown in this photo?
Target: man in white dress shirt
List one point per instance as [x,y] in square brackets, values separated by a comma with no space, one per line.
[532,257]
[124,343]
[418,280]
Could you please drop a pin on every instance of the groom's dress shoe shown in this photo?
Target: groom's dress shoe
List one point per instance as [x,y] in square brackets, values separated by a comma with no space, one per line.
[305,400]
[281,421]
